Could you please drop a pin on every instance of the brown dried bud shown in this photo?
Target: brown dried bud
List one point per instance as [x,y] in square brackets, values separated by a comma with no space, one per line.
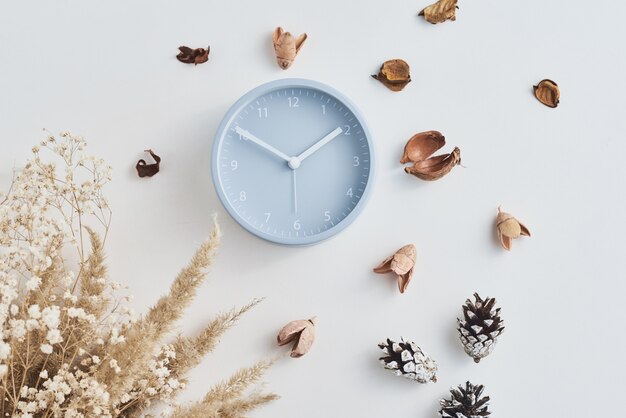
[193,56]
[286,47]
[302,332]
[435,168]
[440,12]
[509,228]
[422,145]
[547,92]
[394,74]
[401,263]
[148,170]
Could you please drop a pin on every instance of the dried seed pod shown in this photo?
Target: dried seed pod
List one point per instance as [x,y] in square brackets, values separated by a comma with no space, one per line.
[148,170]
[394,74]
[422,145]
[436,167]
[286,47]
[547,92]
[440,12]
[302,332]
[193,56]
[401,263]
[509,228]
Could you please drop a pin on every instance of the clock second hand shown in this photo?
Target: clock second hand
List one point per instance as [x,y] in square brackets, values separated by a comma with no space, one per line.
[295,193]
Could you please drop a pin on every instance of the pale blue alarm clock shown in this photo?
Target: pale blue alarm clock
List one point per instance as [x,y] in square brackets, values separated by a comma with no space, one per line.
[293,161]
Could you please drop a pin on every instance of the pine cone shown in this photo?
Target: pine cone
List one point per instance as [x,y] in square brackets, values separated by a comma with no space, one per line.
[481,327]
[408,360]
[465,403]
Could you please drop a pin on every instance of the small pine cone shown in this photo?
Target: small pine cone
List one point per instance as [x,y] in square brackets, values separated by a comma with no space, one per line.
[480,328]
[408,360]
[466,402]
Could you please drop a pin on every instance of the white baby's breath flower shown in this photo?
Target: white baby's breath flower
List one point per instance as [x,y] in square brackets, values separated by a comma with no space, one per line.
[3,370]
[95,359]
[15,309]
[44,374]
[46,348]
[18,328]
[54,336]
[32,324]
[173,383]
[115,337]
[68,279]
[50,316]
[33,283]
[113,364]
[34,312]
[5,350]
[76,313]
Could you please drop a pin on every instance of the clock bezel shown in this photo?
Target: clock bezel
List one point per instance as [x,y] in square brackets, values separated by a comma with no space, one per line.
[220,134]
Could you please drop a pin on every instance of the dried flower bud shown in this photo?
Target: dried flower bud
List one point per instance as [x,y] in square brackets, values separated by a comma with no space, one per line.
[148,170]
[286,47]
[509,228]
[401,263]
[193,56]
[302,332]
[440,12]
[547,92]
[422,145]
[394,74]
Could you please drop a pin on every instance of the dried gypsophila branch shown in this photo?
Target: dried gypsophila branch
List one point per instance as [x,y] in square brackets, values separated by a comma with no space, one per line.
[60,330]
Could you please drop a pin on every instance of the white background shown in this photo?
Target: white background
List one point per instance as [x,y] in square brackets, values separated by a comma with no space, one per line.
[107,70]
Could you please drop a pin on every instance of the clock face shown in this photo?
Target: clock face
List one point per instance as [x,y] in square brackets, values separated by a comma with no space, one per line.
[292,162]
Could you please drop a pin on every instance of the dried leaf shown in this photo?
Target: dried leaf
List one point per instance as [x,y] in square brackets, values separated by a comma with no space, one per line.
[440,12]
[432,168]
[401,263]
[509,228]
[547,92]
[148,170]
[286,47]
[422,146]
[301,331]
[394,74]
[193,56]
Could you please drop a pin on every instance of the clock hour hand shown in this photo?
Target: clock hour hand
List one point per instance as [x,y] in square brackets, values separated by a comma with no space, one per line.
[319,144]
[247,135]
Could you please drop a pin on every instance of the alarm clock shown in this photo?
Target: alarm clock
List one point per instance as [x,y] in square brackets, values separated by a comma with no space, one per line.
[293,162]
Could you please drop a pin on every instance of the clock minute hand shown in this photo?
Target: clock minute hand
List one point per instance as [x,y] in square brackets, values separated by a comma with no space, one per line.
[247,135]
[319,144]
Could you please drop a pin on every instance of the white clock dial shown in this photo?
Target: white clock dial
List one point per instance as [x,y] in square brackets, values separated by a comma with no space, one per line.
[292,162]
